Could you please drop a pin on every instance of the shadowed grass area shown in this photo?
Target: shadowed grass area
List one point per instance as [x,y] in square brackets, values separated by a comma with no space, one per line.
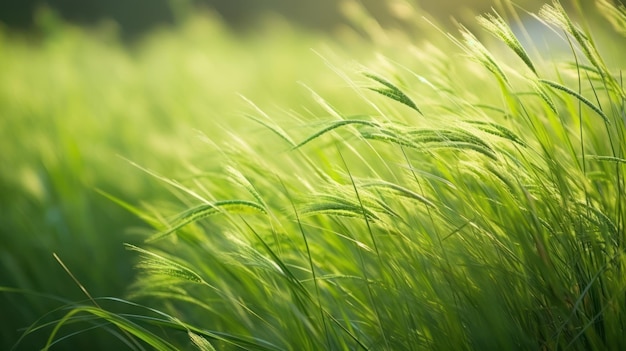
[454,196]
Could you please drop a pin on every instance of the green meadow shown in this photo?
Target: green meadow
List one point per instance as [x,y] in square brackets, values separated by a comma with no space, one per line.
[401,187]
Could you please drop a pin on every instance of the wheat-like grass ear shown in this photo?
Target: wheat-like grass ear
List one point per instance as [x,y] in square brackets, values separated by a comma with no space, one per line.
[210,209]
[335,125]
[391,91]
[496,25]
[581,98]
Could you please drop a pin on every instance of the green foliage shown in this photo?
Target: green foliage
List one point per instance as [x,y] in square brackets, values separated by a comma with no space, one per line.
[493,219]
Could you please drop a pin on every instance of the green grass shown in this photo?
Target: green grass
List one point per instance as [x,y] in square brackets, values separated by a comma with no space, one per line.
[72,102]
[454,193]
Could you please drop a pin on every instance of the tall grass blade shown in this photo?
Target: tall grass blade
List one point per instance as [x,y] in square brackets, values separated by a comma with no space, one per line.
[122,323]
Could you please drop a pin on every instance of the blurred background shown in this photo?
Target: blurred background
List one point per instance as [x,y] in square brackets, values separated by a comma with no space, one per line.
[135,17]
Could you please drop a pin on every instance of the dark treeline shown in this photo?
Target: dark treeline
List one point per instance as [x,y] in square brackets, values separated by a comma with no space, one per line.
[136,16]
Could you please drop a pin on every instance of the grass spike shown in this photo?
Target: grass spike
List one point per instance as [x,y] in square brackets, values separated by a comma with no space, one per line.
[400,190]
[498,130]
[606,158]
[580,98]
[479,52]
[393,92]
[166,265]
[496,25]
[335,125]
[203,211]
[201,343]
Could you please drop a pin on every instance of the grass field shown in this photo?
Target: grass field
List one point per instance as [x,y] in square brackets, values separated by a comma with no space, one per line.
[281,190]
